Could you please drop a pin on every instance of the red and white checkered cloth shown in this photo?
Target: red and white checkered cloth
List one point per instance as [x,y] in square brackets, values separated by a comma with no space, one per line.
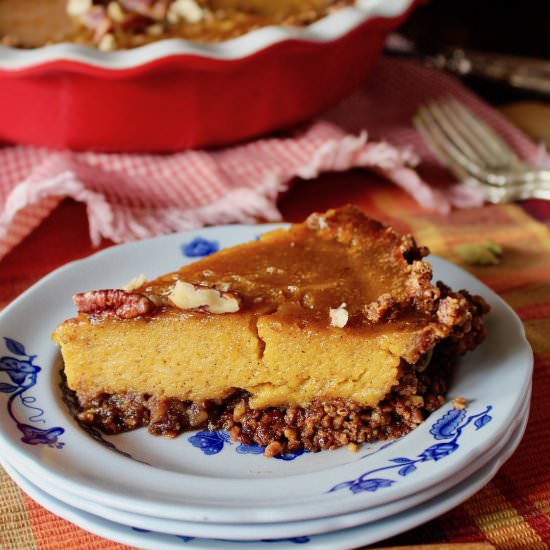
[136,196]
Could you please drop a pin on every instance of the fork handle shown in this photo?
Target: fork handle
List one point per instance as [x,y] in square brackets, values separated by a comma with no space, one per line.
[521,194]
[498,195]
[524,73]
[539,178]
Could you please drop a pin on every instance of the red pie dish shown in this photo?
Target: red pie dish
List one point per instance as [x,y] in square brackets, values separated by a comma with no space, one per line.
[176,94]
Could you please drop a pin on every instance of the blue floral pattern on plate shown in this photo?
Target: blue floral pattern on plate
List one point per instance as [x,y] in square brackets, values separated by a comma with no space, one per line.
[448,427]
[210,443]
[213,442]
[199,247]
[23,373]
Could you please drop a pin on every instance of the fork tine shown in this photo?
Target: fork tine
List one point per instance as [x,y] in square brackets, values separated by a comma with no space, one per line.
[422,127]
[451,148]
[445,150]
[461,126]
[448,127]
[486,134]
[492,194]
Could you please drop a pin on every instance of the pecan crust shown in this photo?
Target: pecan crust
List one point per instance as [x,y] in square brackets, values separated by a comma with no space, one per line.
[113,303]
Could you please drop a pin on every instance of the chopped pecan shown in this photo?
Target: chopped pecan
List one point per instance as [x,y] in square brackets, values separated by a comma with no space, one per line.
[77,8]
[453,310]
[108,43]
[135,283]
[420,286]
[382,309]
[96,19]
[273,449]
[339,316]
[155,9]
[117,303]
[186,10]
[189,296]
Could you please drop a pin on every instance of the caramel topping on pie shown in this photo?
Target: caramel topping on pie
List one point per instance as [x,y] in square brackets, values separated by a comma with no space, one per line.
[301,273]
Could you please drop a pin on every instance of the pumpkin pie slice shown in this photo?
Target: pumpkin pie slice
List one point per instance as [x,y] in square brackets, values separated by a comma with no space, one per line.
[325,334]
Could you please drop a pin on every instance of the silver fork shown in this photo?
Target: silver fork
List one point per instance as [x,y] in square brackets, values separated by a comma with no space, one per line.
[476,154]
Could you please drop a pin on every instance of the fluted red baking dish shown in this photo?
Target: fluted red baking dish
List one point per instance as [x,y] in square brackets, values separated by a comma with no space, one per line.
[175,94]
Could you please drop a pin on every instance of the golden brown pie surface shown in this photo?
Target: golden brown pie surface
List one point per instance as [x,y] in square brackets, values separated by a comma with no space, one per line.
[338,309]
[121,24]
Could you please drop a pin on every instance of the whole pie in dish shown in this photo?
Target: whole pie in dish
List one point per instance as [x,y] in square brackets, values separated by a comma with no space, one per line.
[327,334]
[121,24]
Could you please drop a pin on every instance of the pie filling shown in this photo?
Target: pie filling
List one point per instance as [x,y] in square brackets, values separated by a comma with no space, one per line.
[328,334]
[121,24]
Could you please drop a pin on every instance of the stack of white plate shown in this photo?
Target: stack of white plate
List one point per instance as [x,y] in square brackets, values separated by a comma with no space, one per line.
[201,490]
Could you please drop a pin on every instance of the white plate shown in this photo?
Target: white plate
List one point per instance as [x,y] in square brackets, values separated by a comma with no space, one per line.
[349,538]
[258,531]
[174,479]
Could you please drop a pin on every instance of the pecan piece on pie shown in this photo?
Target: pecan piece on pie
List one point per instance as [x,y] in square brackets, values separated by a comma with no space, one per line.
[117,303]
